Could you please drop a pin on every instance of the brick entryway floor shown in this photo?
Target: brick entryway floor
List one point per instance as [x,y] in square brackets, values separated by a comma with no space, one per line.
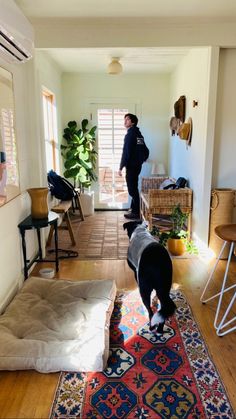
[99,236]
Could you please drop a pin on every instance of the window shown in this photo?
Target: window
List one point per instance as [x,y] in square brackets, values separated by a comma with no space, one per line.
[50,131]
[111,132]
[9,140]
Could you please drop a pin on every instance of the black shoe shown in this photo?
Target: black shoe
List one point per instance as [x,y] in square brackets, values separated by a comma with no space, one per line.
[131,216]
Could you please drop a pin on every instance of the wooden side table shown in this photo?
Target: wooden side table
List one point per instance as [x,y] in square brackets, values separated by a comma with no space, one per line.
[30,223]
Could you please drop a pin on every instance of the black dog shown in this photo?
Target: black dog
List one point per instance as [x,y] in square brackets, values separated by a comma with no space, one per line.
[152,267]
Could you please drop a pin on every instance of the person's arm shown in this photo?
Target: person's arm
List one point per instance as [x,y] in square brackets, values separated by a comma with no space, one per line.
[129,143]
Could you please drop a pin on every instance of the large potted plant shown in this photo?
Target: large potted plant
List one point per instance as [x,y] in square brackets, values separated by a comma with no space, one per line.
[176,239]
[80,157]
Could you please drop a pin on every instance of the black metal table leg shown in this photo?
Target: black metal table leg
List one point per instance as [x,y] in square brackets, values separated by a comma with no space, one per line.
[56,246]
[24,253]
[39,243]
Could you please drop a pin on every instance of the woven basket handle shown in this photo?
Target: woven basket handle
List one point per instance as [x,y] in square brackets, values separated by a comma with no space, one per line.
[214,194]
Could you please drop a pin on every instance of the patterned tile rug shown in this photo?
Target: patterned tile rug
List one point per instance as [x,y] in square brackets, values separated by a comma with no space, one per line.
[147,376]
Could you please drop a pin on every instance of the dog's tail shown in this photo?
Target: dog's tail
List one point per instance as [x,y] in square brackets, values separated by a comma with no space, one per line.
[167,310]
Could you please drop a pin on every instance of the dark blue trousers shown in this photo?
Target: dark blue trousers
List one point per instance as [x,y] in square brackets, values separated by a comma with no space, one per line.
[132,174]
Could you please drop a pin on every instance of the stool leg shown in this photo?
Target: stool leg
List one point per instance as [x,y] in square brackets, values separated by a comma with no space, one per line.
[223,285]
[211,276]
[222,325]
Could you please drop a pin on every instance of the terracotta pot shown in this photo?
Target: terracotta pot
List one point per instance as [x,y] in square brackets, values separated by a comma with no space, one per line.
[39,202]
[176,246]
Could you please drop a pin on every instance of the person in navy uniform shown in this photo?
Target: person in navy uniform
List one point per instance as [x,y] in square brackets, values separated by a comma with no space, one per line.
[129,160]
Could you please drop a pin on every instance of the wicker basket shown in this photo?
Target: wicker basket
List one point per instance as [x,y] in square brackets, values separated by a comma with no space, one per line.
[222,206]
[163,201]
[158,201]
[153,182]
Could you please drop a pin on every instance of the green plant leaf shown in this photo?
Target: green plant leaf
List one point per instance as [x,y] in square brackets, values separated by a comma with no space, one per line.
[72,124]
[84,156]
[79,154]
[72,163]
[84,124]
[93,131]
[71,173]
[86,165]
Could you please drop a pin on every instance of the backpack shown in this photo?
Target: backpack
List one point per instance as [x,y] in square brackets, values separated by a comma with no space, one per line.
[60,187]
[142,151]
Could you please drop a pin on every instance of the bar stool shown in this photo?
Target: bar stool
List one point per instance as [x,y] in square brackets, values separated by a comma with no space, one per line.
[226,232]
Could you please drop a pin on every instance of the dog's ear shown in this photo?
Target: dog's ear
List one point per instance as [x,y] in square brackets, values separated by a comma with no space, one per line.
[130,225]
[125,226]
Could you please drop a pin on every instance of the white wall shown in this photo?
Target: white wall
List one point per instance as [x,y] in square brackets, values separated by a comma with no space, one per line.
[196,78]
[15,210]
[149,92]
[27,80]
[224,167]
[48,75]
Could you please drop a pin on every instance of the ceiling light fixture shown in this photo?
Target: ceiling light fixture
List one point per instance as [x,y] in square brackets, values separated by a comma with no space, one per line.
[115,66]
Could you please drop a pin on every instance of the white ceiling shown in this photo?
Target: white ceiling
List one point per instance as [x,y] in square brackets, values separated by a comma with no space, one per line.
[134,60]
[128,8]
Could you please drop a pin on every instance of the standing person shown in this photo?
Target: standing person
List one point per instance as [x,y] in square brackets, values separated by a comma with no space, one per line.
[132,163]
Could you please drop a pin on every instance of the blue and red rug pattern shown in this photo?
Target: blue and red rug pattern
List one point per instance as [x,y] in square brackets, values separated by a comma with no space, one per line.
[147,376]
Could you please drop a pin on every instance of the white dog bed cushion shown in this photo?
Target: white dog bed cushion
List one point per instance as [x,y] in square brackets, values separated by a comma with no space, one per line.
[57,325]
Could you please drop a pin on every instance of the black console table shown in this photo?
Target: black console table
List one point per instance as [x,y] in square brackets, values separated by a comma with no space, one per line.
[30,223]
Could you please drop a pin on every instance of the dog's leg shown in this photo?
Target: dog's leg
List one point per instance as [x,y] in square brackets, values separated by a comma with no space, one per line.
[146,295]
[160,328]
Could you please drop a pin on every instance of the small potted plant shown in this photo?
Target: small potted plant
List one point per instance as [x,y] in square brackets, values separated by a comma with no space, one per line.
[177,238]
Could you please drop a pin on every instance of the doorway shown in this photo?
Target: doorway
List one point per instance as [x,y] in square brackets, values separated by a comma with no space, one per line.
[110,189]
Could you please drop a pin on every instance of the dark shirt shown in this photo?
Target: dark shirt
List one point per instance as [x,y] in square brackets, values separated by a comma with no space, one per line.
[128,154]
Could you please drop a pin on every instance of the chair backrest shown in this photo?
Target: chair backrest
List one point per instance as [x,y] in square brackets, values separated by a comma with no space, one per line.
[152,182]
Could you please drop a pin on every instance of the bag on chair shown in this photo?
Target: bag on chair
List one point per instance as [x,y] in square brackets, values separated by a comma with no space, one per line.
[60,187]
[181,182]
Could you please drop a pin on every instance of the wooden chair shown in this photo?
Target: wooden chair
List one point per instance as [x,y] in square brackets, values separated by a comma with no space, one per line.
[226,232]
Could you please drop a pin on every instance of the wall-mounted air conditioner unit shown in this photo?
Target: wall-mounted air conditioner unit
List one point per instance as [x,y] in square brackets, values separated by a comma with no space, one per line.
[16,33]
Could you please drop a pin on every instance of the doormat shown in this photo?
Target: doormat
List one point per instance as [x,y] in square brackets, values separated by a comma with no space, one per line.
[147,376]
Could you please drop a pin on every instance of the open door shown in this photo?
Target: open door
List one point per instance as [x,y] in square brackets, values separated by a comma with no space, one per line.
[110,189]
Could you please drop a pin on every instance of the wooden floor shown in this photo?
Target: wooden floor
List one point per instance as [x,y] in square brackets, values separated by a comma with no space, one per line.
[29,394]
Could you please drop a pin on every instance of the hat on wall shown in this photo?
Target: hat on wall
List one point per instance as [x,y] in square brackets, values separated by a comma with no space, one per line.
[174,124]
[179,108]
[185,131]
